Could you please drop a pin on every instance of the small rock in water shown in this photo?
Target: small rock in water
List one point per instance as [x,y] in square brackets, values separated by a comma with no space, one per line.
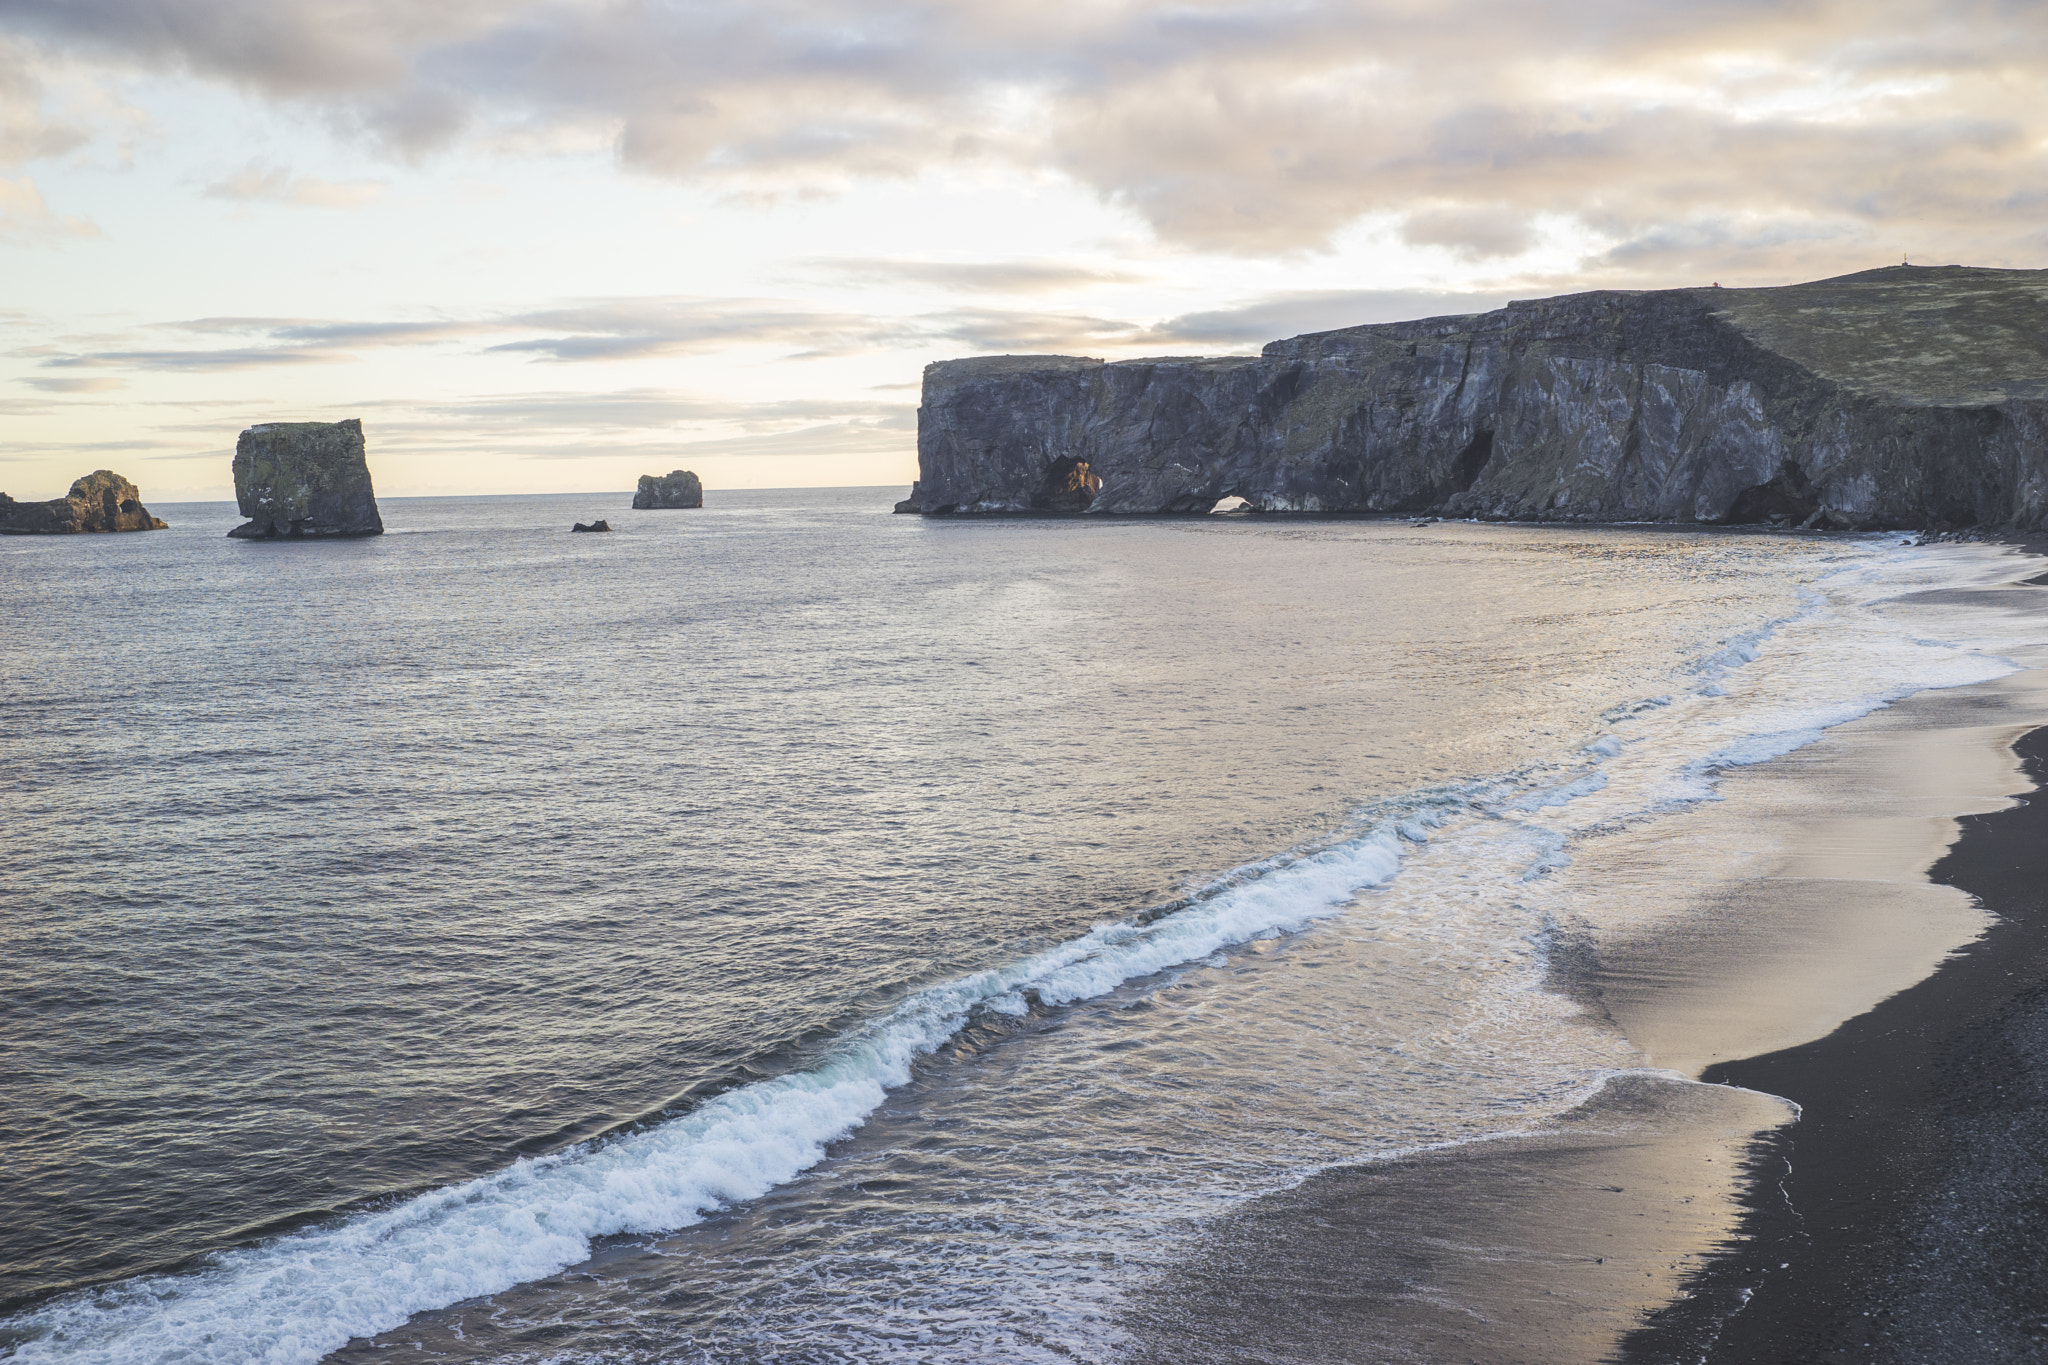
[594,526]
[680,489]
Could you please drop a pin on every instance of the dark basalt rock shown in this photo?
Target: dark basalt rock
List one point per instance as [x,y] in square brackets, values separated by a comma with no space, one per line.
[1904,397]
[915,502]
[101,501]
[679,489]
[297,480]
[594,526]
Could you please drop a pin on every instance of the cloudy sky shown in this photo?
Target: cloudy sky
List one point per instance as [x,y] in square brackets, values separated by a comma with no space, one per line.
[548,245]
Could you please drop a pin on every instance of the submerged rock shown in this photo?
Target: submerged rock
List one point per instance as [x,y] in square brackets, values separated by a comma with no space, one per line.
[1903,397]
[304,479]
[679,489]
[594,526]
[101,501]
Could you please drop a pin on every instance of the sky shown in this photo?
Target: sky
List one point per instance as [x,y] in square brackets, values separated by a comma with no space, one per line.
[552,245]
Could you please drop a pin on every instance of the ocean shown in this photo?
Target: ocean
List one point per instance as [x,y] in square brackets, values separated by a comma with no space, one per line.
[785,931]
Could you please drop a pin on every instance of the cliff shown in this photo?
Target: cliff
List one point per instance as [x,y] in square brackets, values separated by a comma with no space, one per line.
[304,479]
[1904,397]
[680,488]
[101,501]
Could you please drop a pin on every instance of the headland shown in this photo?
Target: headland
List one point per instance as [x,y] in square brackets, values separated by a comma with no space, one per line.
[1906,397]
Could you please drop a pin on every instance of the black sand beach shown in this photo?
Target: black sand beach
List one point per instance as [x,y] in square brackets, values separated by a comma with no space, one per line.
[1903,1217]
[1915,1226]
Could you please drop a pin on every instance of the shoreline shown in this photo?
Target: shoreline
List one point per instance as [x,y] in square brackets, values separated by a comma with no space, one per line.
[1898,1219]
[1770,924]
[1658,1162]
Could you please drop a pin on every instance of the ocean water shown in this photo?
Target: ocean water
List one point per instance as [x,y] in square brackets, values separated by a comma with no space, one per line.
[787,931]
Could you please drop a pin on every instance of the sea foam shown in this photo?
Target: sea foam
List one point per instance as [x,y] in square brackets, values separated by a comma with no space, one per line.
[300,1296]
[297,1297]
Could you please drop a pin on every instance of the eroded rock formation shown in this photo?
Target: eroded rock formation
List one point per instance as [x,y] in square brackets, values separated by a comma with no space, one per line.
[101,501]
[679,489]
[304,479]
[1904,397]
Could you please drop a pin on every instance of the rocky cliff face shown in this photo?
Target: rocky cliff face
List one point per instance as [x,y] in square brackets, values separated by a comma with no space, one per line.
[1906,397]
[304,479]
[680,489]
[101,501]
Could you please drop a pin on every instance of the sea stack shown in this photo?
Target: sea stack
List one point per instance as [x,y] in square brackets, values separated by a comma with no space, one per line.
[679,489]
[1908,397]
[304,480]
[101,501]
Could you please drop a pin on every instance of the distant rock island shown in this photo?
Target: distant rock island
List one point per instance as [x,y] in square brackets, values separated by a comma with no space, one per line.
[304,480]
[680,489]
[1908,397]
[101,501]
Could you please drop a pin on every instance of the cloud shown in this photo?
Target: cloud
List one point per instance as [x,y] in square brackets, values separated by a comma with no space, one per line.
[26,130]
[1225,124]
[269,343]
[645,423]
[26,219]
[59,384]
[13,451]
[971,277]
[643,409]
[230,358]
[1291,314]
[631,329]
[363,60]
[834,438]
[259,182]
[1475,232]
[634,329]
[312,332]
[1019,332]
[598,331]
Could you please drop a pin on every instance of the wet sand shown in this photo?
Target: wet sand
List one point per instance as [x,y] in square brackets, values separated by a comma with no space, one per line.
[1913,1225]
[1542,1248]
[1795,922]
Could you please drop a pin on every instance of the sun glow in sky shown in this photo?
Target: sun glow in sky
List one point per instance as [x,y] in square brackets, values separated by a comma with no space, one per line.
[550,245]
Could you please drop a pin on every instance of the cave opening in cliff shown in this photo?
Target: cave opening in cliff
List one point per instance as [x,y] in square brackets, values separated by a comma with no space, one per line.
[1069,486]
[1471,460]
[1787,498]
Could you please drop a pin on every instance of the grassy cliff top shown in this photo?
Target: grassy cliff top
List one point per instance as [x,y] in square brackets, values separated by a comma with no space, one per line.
[1936,336]
[1944,335]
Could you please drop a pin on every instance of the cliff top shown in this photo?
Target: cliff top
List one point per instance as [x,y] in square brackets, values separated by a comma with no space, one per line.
[983,366]
[1944,336]
[1934,336]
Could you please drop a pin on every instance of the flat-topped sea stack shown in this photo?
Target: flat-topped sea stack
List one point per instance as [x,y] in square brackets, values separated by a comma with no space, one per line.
[301,480]
[680,488]
[101,501]
[1909,397]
